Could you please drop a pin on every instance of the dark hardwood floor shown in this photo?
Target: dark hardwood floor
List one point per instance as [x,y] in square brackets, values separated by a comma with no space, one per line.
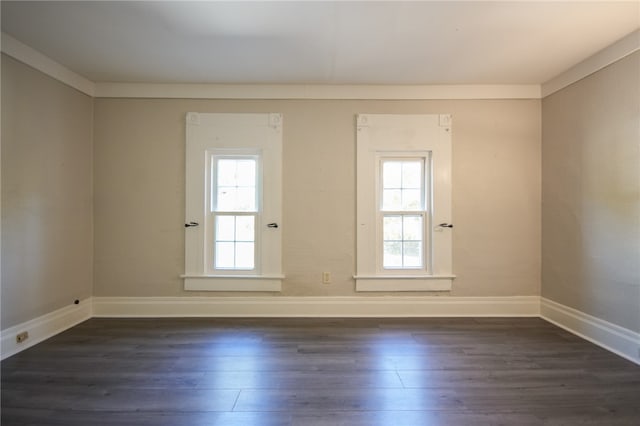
[310,372]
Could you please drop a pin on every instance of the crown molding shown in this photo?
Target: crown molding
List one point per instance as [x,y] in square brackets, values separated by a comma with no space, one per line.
[607,56]
[317,91]
[31,57]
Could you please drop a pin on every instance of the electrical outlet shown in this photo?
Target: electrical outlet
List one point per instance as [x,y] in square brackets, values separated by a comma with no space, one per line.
[326,278]
[21,337]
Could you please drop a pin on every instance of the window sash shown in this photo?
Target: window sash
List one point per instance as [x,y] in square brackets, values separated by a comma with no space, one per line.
[403,239]
[403,186]
[403,263]
[226,255]
[216,204]
[230,247]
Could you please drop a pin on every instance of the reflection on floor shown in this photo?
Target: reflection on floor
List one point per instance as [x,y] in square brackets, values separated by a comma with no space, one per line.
[254,372]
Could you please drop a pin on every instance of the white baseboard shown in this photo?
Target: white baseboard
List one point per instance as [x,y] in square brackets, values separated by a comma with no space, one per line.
[614,338]
[315,306]
[44,327]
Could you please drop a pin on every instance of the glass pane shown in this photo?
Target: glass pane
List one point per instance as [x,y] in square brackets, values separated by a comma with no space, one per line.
[246,173]
[227,172]
[391,174]
[402,185]
[392,228]
[232,199]
[392,199]
[224,255]
[225,226]
[246,201]
[412,228]
[245,228]
[412,174]
[244,256]
[411,199]
[236,185]
[392,255]
[226,199]
[412,254]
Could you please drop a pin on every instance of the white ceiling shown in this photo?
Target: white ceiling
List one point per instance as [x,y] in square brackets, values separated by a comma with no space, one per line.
[306,42]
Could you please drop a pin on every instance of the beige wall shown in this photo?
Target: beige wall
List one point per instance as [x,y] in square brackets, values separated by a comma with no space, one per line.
[591,194]
[47,192]
[139,187]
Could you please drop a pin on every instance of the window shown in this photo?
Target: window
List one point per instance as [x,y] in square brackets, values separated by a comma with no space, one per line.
[234,212]
[403,188]
[233,202]
[402,212]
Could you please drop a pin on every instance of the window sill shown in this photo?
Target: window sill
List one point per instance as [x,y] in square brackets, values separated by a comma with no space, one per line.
[271,283]
[391,283]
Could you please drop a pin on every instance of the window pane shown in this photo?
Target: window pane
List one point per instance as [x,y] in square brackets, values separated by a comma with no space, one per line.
[244,256]
[392,228]
[226,199]
[236,199]
[412,254]
[226,172]
[245,228]
[412,228]
[411,199]
[402,185]
[246,200]
[391,174]
[402,241]
[236,185]
[392,255]
[412,174]
[225,226]
[246,173]
[224,255]
[392,199]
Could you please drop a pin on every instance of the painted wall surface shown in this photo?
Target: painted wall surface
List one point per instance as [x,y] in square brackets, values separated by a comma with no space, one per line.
[139,193]
[47,194]
[591,194]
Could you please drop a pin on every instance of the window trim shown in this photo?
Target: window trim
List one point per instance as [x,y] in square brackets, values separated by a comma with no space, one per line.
[386,135]
[229,133]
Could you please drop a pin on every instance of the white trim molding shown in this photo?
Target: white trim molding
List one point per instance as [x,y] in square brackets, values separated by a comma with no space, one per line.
[275,306]
[612,337]
[316,91]
[46,65]
[31,57]
[404,283]
[607,56]
[619,340]
[44,327]
[420,137]
[210,137]
[232,282]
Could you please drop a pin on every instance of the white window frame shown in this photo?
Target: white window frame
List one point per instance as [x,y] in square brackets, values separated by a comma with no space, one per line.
[239,135]
[425,211]
[212,211]
[382,136]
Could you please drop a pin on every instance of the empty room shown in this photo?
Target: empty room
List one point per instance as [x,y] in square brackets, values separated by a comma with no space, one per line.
[313,213]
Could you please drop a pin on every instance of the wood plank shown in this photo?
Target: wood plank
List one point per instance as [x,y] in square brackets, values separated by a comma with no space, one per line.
[328,371]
